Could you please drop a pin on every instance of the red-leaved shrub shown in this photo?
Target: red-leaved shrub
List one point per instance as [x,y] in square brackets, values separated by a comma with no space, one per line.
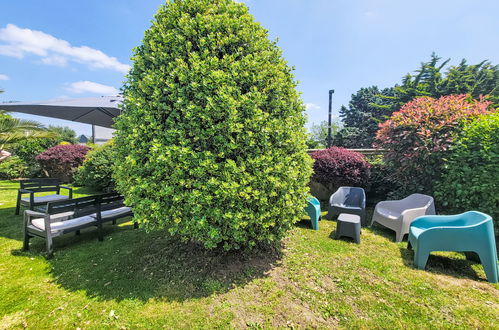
[62,160]
[417,138]
[336,167]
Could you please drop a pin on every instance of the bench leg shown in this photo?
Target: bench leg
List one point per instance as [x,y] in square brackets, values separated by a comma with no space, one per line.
[135,225]
[50,247]
[99,232]
[18,204]
[77,233]
[26,242]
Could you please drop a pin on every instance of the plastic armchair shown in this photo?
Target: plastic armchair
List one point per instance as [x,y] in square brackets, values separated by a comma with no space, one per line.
[351,200]
[397,215]
[471,231]
[313,210]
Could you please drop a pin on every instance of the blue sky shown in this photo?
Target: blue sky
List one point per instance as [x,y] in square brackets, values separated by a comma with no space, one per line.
[60,48]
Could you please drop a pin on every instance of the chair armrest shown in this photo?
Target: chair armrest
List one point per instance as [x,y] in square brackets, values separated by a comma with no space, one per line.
[69,189]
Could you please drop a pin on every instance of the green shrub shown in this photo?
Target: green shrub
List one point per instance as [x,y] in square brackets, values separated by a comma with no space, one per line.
[417,138]
[470,180]
[12,168]
[211,144]
[96,171]
[381,182]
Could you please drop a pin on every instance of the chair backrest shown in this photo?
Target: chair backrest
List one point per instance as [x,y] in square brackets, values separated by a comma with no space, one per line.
[40,184]
[80,206]
[418,200]
[351,196]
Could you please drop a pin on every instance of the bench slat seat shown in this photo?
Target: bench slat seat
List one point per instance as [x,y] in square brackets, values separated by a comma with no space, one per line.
[60,227]
[46,199]
[71,215]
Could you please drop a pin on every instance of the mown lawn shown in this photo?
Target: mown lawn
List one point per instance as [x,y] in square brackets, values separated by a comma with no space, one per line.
[136,279]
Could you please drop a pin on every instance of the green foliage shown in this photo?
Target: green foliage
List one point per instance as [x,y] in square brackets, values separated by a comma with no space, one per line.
[211,145]
[362,116]
[96,171]
[12,168]
[381,182]
[63,134]
[318,134]
[477,80]
[370,106]
[417,138]
[470,179]
[28,149]
[13,130]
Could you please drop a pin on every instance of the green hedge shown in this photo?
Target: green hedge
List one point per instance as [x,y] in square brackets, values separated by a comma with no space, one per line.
[97,169]
[470,180]
[211,144]
[12,168]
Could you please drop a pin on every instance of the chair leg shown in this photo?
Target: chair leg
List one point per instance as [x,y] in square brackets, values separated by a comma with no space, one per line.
[399,237]
[489,263]
[421,258]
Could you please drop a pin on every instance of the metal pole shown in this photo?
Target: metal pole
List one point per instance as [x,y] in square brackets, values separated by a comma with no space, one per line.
[329,137]
[93,134]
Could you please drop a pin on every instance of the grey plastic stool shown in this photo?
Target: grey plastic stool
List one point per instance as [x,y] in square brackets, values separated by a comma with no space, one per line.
[349,226]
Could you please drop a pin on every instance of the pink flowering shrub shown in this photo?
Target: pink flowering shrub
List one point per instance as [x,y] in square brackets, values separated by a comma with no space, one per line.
[62,160]
[417,138]
[335,167]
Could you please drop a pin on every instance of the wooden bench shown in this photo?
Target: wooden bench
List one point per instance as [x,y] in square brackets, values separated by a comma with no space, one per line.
[62,217]
[33,186]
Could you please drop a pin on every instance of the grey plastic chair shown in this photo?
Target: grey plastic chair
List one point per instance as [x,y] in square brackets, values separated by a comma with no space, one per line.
[398,214]
[351,200]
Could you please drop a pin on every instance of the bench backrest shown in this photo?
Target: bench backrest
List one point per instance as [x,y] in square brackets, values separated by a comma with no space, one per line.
[80,206]
[111,201]
[40,184]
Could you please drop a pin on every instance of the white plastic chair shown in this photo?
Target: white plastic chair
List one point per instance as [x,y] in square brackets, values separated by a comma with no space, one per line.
[398,214]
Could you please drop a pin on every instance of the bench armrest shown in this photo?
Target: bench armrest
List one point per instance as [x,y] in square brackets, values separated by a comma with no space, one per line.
[29,214]
[25,191]
[69,189]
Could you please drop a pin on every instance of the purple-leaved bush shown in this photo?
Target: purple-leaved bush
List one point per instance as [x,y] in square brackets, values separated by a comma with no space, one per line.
[335,167]
[62,160]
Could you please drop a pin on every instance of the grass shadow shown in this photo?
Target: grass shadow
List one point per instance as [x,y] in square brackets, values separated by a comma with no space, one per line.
[444,264]
[133,264]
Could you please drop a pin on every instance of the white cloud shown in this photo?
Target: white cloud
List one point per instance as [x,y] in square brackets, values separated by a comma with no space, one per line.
[86,86]
[18,42]
[4,77]
[312,106]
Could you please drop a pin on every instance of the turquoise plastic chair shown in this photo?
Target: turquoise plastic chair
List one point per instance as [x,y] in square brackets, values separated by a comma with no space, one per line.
[313,210]
[467,232]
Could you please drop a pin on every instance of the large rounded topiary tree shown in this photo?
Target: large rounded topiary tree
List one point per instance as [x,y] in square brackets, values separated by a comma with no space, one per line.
[211,144]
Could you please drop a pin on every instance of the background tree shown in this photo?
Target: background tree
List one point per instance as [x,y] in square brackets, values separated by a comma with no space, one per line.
[212,144]
[318,134]
[362,117]
[371,106]
[477,80]
[63,134]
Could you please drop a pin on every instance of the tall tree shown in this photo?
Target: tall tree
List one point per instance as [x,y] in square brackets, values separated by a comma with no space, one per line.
[362,116]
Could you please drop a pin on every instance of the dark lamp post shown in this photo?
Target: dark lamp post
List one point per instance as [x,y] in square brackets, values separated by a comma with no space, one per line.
[329,137]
